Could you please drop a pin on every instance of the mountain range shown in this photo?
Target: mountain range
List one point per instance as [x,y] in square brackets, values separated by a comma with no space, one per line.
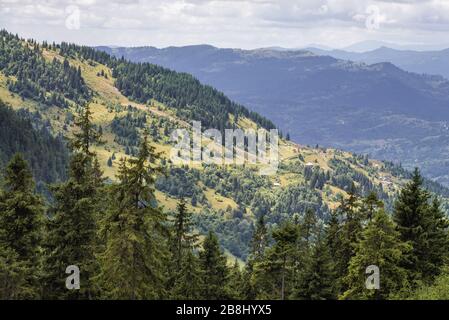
[362,102]
[423,62]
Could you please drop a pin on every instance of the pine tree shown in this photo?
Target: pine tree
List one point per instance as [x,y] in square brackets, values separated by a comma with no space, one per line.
[318,281]
[183,242]
[235,283]
[309,227]
[424,227]
[87,135]
[308,232]
[21,218]
[214,269]
[349,232]
[333,242]
[13,274]
[258,246]
[133,263]
[437,239]
[189,284]
[259,241]
[71,230]
[380,245]
[184,238]
[275,274]
[370,205]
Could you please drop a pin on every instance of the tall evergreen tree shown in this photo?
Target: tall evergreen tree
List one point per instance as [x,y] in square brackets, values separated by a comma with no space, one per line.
[21,218]
[437,240]
[87,135]
[235,283]
[351,227]
[71,230]
[184,237]
[370,205]
[380,245]
[275,274]
[133,263]
[318,281]
[424,227]
[308,232]
[183,242]
[309,227]
[214,268]
[189,284]
[258,246]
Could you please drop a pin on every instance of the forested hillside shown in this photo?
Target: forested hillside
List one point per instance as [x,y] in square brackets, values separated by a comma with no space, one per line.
[376,108]
[148,229]
[28,133]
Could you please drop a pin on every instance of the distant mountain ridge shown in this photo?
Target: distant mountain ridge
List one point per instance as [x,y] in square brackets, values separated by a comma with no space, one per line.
[428,62]
[378,108]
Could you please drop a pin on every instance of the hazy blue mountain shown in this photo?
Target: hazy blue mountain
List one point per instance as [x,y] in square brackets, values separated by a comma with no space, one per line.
[370,45]
[430,62]
[378,109]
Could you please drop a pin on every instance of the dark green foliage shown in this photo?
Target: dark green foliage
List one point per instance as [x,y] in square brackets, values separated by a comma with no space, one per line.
[76,203]
[36,77]
[276,274]
[134,259]
[25,132]
[379,245]
[125,129]
[189,284]
[235,287]
[184,238]
[21,215]
[425,227]
[215,271]
[318,280]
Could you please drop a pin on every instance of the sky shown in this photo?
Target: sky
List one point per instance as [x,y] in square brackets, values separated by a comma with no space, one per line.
[244,24]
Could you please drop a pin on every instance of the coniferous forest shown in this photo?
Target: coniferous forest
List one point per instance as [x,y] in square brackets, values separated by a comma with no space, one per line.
[88,193]
[127,247]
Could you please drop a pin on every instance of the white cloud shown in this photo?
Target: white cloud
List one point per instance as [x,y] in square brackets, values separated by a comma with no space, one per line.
[229,23]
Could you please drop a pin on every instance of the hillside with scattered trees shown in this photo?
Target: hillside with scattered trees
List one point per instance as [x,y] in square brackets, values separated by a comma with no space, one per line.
[88,181]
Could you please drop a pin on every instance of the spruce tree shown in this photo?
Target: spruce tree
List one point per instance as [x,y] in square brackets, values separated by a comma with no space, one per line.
[437,239]
[183,243]
[21,218]
[308,233]
[380,245]
[235,283]
[258,246]
[275,274]
[425,227]
[13,274]
[87,135]
[318,281]
[214,269]
[333,242]
[189,282]
[71,230]
[370,205]
[134,261]
[259,241]
[184,238]
[351,227]
[309,227]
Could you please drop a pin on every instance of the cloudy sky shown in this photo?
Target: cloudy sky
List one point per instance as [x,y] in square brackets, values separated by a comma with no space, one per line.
[230,23]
